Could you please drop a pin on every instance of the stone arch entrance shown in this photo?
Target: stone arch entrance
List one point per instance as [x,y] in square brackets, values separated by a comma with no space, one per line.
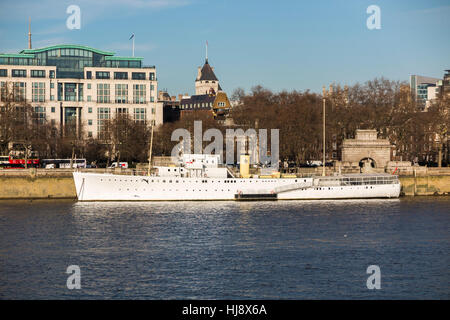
[371,161]
[366,146]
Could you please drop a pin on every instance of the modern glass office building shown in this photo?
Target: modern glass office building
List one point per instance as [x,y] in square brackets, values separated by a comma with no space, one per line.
[83,86]
[419,87]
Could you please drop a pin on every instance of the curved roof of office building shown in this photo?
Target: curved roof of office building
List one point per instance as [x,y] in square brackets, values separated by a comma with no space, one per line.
[68,46]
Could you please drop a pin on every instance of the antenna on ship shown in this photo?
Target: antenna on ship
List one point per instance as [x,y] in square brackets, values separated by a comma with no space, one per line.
[150,153]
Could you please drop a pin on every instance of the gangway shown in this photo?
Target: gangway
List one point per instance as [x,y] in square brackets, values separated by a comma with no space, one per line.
[290,187]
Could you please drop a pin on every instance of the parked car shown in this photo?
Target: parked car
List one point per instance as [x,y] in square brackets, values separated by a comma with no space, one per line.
[123,165]
[314,163]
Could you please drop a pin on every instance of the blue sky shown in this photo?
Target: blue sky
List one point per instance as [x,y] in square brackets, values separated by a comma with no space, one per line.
[281,45]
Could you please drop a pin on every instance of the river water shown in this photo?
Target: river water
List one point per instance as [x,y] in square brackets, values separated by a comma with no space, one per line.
[226,250]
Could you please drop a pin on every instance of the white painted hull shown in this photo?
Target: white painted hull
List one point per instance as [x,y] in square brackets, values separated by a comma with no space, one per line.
[109,187]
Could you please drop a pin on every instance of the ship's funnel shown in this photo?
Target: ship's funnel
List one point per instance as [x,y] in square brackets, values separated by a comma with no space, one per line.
[244,165]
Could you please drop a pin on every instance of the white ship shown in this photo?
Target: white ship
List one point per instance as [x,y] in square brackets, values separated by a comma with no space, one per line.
[200,177]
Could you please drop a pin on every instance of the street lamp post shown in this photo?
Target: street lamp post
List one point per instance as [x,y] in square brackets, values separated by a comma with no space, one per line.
[323,125]
[150,153]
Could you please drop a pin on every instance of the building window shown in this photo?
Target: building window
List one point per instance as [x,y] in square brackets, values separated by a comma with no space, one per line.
[53,109]
[152,87]
[38,73]
[152,76]
[88,74]
[2,91]
[52,97]
[102,75]
[70,92]
[139,93]
[153,110]
[19,73]
[138,76]
[122,110]
[53,122]
[3,72]
[121,75]
[39,114]
[89,110]
[19,91]
[90,122]
[60,91]
[52,74]
[89,85]
[80,92]
[103,114]
[152,99]
[139,114]
[89,134]
[121,93]
[89,98]
[221,104]
[52,85]
[103,93]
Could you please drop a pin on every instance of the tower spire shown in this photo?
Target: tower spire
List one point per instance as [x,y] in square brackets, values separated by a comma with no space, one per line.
[206,50]
[29,33]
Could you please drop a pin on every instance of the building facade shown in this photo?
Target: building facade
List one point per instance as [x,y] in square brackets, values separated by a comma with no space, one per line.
[82,86]
[419,88]
[445,85]
[209,96]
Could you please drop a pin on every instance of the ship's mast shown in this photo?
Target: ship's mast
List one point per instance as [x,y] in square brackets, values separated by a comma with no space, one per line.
[150,153]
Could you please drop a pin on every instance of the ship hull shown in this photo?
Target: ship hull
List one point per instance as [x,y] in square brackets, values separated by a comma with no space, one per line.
[109,187]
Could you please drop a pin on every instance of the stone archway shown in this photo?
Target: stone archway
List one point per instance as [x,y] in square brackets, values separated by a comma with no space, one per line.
[372,162]
[366,146]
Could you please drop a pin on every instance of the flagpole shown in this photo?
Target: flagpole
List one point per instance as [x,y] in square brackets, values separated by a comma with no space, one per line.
[133,45]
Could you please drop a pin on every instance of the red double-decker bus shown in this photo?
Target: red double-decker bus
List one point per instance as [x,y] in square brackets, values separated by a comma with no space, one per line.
[17,160]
